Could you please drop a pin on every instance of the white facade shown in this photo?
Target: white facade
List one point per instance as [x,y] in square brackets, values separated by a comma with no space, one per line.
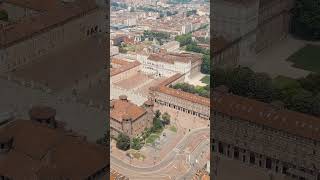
[164,69]
[172,46]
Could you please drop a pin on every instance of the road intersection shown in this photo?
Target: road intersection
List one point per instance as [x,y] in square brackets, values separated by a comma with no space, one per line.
[177,157]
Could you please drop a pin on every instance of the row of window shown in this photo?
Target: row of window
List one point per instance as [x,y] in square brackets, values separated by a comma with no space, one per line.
[256,159]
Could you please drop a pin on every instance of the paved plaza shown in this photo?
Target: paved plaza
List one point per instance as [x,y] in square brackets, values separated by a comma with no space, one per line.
[196,80]
[178,156]
[274,59]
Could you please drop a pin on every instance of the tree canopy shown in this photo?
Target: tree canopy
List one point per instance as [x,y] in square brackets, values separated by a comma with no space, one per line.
[123,142]
[3,15]
[306,19]
[300,95]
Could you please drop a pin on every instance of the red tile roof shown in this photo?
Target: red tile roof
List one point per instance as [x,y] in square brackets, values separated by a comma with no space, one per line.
[267,115]
[42,152]
[121,109]
[162,88]
[173,57]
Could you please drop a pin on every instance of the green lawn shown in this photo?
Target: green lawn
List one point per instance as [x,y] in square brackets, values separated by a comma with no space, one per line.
[206,80]
[137,155]
[151,139]
[307,58]
[173,129]
[130,48]
[283,81]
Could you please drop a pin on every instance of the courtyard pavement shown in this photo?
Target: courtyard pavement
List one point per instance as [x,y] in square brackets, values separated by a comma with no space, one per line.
[196,80]
[273,60]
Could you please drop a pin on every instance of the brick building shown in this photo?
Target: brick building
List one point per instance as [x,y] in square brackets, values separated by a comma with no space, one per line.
[185,102]
[265,136]
[34,149]
[128,118]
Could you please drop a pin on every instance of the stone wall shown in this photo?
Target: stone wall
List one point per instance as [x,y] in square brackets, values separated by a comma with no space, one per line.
[182,105]
[267,148]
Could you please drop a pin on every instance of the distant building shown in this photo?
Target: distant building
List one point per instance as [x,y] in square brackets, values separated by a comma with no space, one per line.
[128,118]
[167,64]
[172,46]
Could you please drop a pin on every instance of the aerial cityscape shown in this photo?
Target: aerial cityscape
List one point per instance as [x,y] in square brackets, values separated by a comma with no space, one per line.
[159,89]
[52,118]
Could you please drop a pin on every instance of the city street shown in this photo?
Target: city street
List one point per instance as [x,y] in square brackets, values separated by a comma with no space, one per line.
[161,169]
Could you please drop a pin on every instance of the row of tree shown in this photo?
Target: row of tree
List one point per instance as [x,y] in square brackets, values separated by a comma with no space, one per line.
[119,5]
[192,46]
[3,15]
[178,1]
[201,91]
[306,19]
[161,37]
[191,12]
[300,95]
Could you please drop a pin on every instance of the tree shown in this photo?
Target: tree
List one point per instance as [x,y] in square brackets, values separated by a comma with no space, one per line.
[3,15]
[157,125]
[184,39]
[301,101]
[166,118]
[316,105]
[205,66]
[123,142]
[157,114]
[306,19]
[240,81]
[261,87]
[136,143]
[311,82]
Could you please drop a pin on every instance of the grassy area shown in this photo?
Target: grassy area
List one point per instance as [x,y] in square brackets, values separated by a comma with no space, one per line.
[151,139]
[173,129]
[282,81]
[137,155]
[130,48]
[307,58]
[206,80]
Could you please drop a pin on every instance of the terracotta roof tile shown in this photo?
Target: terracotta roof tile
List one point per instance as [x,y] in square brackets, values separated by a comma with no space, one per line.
[125,109]
[39,151]
[173,57]
[267,115]
[162,87]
